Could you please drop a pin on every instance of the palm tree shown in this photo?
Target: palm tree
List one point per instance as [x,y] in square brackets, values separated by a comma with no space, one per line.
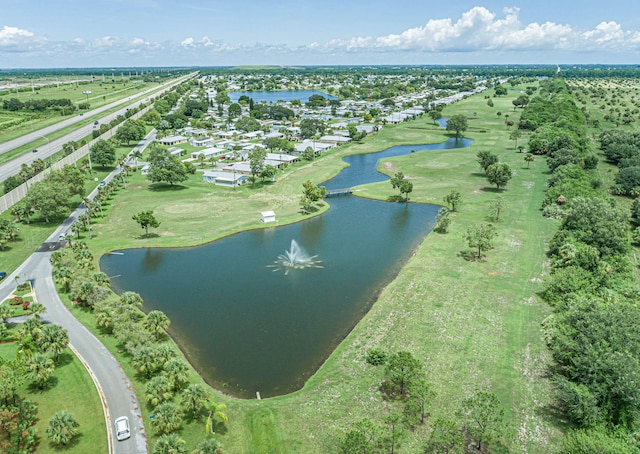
[207,446]
[5,312]
[31,327]
[158,390]
[216,411]
[155,321]
[170,444]
[64,276]
[53,338]
[101,279]
[167,418]
[37,309]
[131,299]
[104,319]
[177,373]
[62,428]
[194,398]
[39,369]
[529,159]
[145,361]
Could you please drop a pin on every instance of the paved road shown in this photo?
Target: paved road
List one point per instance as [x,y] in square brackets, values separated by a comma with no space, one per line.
[50,147]
[113,384]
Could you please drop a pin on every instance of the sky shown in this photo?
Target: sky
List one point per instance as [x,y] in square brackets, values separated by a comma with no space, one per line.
[161,33]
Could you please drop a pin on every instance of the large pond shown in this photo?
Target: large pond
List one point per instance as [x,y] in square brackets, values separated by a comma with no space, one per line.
[248,325]
[275,96]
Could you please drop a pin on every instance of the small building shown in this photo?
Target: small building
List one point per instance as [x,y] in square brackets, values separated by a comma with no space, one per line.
[224,178]
[268,216]
[173,140]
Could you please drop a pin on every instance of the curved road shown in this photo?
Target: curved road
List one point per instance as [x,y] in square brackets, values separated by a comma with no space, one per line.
[115,389]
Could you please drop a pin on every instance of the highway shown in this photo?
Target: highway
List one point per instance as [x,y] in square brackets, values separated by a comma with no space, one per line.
[114,386]
[50,147]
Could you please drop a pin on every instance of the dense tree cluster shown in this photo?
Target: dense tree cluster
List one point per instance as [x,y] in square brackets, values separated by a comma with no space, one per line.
[37,105]
[593,332]
[169,391]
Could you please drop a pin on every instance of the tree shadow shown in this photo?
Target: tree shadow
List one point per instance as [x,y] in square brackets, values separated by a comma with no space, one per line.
[65,358]
[395,198]
[148,235]
[470,256]
[64,448]
[164,187]
[34,388]
[493,190]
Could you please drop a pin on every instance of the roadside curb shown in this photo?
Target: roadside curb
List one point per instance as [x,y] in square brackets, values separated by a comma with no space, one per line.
[103,399]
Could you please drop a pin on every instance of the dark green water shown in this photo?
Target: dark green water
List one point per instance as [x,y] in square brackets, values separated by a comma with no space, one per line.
[248,328]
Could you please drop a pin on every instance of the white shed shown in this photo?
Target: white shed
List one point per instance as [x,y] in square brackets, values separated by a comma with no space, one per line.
[268,216]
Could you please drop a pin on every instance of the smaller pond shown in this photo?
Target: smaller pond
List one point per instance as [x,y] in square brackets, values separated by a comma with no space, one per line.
[275,96]
[442,122]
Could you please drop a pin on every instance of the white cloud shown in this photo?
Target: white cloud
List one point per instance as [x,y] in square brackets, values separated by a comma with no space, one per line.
[478,31]
[14,39]
[187,42]
[481,30]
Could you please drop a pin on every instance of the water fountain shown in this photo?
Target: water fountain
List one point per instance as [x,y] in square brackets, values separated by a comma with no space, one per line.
[295,258]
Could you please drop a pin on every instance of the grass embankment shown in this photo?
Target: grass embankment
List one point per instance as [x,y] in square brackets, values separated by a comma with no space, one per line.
[475,325]
[71,389]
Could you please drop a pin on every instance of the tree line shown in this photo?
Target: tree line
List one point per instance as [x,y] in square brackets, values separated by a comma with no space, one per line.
[593,331]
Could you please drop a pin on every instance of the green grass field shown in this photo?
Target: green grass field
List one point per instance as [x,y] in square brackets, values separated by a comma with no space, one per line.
[475,325]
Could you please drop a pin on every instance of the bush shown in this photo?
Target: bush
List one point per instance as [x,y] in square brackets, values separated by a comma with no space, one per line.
[16,300]
[25,305]
[376,356]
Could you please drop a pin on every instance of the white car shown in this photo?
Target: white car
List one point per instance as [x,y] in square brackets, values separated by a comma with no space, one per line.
[122,428]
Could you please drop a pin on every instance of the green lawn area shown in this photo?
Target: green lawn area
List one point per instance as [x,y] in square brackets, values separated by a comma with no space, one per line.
[71,389]
[475,325]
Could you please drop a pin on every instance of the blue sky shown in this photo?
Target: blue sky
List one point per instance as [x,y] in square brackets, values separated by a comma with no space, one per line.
[125,33]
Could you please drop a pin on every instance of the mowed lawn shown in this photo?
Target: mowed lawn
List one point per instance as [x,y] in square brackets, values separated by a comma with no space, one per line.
[475,325]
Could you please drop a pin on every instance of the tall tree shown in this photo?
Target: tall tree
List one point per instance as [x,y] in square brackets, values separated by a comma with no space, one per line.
[167,418]
[53,338]
[443,220]
[194,398]
[256,162]
[40,368]
[401,369]
[146,219]
[453,199]
[486,158]
[48,198]
[421,395]
[165,167]
[483,417]
[457,123]
[311,194]
[156,321]
[446,437]
[103,153]
[480,237]
[499,174]
[158,390]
